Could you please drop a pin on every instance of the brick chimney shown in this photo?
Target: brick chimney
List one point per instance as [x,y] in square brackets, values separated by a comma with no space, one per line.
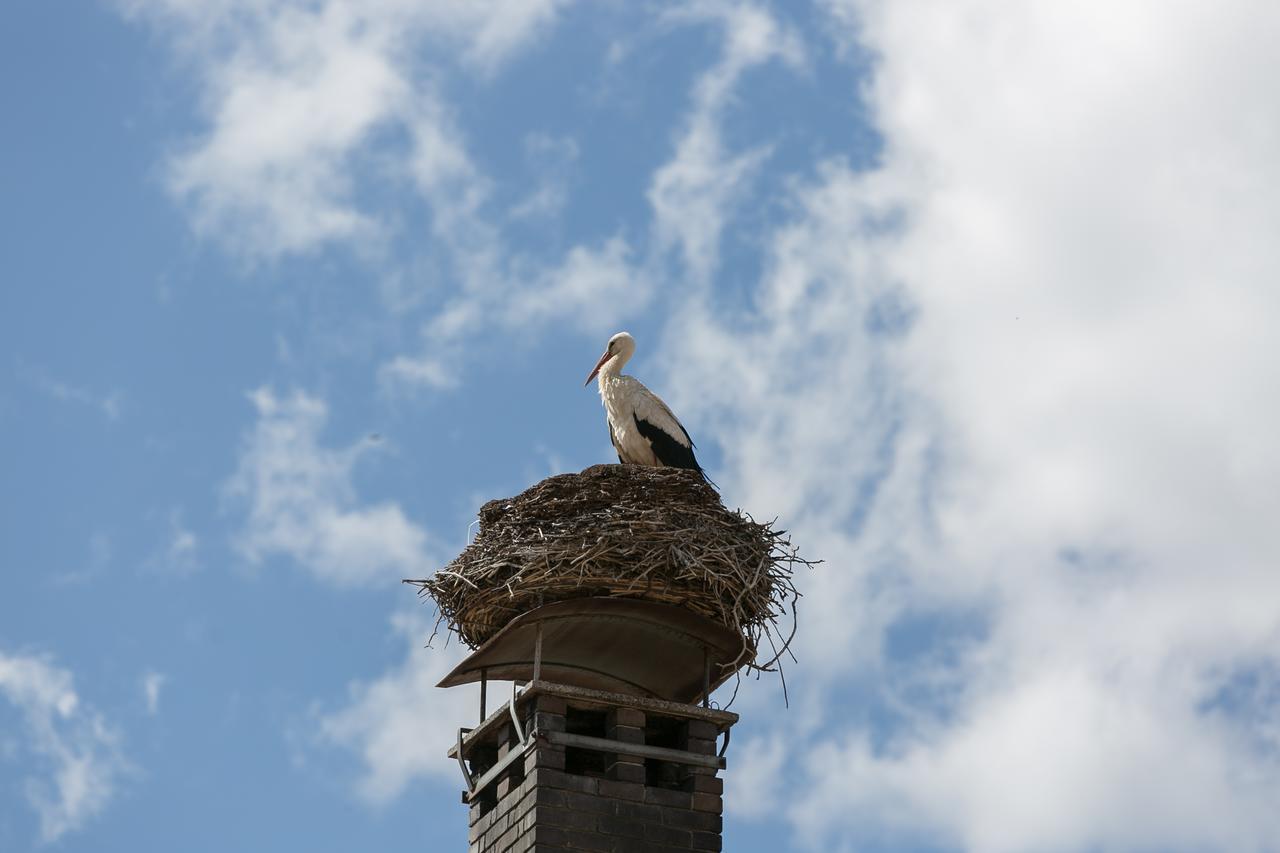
[612,743]
[562,767]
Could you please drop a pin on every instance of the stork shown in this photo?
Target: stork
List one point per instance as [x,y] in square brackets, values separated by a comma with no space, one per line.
[642,428]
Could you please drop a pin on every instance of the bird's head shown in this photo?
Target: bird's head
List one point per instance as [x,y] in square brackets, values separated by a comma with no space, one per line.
[620,347]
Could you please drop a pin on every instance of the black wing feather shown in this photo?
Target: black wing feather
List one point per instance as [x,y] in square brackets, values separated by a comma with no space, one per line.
[669,451]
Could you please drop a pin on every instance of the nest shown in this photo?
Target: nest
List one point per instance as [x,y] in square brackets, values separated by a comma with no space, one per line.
[659,534]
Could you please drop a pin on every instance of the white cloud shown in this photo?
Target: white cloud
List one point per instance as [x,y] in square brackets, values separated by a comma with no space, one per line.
[301,502]
[693,194]
[401,724]
[550,159]
[594,288]
[111,404]
[101,552]
[307,102]
[589,287]
[182,547]
[76,763]
[180,552]
[1015,379]
[754,787]
[152,682]
[1061,759]
[420,371]
[591,290]
[294,91]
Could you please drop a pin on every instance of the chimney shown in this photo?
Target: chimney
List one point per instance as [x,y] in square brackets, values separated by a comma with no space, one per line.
[613,602]
[611,744]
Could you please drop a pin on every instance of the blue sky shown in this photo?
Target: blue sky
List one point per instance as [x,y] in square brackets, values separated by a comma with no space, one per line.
[975,300]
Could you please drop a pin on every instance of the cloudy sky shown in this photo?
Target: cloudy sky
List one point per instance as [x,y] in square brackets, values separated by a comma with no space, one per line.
[978,298]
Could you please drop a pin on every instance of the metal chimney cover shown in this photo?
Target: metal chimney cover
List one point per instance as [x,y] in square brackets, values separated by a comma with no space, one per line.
[618,644]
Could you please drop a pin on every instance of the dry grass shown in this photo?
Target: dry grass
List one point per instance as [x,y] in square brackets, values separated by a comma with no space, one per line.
[660,534]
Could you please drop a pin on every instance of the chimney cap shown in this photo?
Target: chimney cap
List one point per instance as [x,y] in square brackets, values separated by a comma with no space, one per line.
[623,645]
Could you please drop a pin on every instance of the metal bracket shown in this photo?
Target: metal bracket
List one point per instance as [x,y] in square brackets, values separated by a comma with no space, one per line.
[537,654]
[662,753]
[515,720]
[523,740]
[494,772]
[706,677]
[462,764]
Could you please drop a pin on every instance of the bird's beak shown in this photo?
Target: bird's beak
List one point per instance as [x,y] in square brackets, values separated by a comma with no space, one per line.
[599,364]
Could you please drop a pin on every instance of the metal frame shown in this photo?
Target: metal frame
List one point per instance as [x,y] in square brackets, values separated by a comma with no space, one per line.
[462,763]
[515,720]
[706,677]
[662,753]
[523,739]
[516,751]
[494,772]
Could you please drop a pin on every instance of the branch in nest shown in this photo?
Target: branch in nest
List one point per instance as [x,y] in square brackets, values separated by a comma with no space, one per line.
[660,534]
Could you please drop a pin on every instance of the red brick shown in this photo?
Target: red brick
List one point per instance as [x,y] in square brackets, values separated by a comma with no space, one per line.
[686,819]
[639,811]
[707,841]
[626,771]
[499,826]
[504,786]
[701,783]
[614,825]
[621,790]
[553,816]
[667,835]
[663,797]
[625,717]
[544,756]
[625,734]
[708,803]
[575,839]
[505,840]
[560,779]
[482,824]
[589,803]
[543,796]
[700,746]
[551,704]
[546,722]
[639,845]
[522,844]
[702,729]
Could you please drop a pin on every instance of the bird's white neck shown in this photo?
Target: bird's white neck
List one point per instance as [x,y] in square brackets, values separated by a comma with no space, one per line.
[613,366]
[608,376]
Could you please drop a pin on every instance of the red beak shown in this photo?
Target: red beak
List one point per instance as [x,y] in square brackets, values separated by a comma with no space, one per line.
[599,364]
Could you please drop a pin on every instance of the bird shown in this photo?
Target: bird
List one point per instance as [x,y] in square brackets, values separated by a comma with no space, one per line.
[643,429]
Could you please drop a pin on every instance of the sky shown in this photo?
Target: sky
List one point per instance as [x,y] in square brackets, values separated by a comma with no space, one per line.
[977,298]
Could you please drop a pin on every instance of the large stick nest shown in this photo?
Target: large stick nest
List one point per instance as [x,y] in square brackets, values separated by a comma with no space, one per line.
[659,534]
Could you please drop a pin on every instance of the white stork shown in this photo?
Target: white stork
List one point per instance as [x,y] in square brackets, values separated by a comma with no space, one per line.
[642,428]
